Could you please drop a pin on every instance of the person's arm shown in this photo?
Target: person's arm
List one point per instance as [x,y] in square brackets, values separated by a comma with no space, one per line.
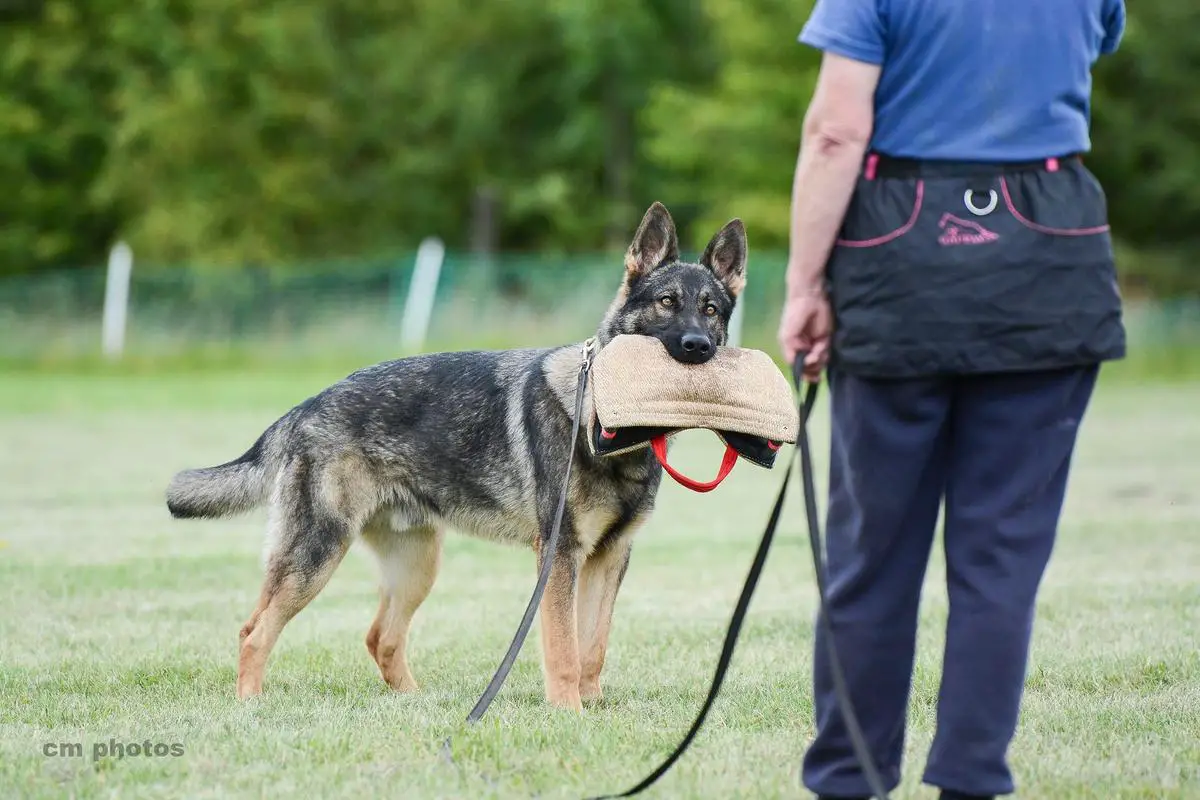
[834,138]
[836,133]
[1114,26]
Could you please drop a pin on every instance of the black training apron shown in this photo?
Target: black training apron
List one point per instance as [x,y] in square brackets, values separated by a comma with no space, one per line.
[944,269]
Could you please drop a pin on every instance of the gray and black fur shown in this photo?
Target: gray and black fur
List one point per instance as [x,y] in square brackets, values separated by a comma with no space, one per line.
[398,452]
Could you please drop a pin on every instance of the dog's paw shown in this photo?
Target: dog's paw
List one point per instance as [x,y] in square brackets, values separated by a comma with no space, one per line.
[590,691]
[247,690]
[405,684]
[568,700]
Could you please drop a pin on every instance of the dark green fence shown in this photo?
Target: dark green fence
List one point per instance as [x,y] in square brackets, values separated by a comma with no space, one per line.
[351,311]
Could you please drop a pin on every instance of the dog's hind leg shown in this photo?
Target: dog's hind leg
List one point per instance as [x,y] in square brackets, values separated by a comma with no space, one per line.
[292,581]
[599,581]
[308,542]
[408,564]
[560,638]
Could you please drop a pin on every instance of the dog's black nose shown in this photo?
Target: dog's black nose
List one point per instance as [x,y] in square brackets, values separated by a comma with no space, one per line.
[696,345]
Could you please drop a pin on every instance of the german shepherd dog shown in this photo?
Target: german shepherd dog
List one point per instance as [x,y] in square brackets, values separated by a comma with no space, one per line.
[396,453]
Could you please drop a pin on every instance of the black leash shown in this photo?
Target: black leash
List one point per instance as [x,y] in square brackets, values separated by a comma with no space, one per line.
[858,741]
[548,550]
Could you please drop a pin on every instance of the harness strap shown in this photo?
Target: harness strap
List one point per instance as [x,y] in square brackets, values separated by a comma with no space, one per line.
[659,445]
[858,741]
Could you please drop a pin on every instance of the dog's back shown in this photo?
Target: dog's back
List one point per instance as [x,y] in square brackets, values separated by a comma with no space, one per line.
[446,434]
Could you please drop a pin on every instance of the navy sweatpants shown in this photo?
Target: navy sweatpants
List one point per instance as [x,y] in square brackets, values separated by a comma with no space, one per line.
[997,448]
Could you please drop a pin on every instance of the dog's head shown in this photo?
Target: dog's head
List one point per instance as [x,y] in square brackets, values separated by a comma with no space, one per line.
[684,305]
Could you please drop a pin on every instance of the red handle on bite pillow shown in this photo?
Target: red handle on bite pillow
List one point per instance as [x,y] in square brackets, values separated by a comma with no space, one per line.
[659,445]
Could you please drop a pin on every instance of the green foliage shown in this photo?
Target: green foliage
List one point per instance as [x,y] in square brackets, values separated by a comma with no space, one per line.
[227,133]
[733,142]
[55,133]
[279,130]
[1147,123]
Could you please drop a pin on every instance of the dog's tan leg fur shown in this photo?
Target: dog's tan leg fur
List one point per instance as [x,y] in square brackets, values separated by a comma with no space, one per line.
[599,581]
[409,563]
[283,596]
[373,631]
[560,642]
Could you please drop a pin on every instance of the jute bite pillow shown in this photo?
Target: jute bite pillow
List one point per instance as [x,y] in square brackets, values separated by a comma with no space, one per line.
[641,395]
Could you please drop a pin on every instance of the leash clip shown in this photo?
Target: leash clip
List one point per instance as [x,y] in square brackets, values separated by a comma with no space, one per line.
[590,348]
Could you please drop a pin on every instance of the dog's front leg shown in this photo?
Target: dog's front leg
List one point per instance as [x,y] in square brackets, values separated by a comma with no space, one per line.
[599,581]
[560,638]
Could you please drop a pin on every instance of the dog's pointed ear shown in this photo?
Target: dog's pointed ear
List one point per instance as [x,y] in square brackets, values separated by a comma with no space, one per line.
[654,244]
[726,256]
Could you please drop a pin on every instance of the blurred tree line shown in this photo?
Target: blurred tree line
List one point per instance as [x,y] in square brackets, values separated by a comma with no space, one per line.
[232,132]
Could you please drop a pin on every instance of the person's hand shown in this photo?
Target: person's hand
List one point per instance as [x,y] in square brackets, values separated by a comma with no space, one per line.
[805,327]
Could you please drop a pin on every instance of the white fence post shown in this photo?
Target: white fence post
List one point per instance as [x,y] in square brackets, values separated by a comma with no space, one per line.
[418,307]
[116,300]
[735,325]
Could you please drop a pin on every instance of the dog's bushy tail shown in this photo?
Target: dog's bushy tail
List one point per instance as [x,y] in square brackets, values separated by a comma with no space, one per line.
[231,488]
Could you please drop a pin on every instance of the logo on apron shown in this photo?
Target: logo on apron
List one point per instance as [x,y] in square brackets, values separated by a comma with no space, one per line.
[956,231]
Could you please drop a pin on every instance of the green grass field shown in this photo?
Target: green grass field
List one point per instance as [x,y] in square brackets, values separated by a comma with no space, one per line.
[119,624]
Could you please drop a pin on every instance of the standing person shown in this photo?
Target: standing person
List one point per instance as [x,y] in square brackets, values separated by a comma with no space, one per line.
[951,269]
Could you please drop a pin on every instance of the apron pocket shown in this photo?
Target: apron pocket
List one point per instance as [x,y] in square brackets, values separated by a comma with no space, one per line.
[881,213]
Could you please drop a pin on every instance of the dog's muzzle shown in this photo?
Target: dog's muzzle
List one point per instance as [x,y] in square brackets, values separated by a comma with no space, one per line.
[641,396]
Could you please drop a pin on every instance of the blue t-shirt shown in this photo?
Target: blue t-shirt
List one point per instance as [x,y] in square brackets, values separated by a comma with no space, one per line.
[975,80]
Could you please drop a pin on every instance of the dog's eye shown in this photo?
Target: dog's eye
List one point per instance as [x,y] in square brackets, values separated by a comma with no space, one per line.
[667,301]
[710,310]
